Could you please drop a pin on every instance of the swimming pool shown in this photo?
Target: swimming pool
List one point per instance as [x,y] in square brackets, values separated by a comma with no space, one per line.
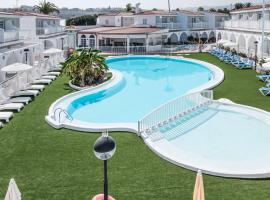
[224,139]
[146,82]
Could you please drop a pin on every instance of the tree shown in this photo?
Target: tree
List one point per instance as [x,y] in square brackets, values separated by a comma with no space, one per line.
[212,10]
[200,9]
[239,5]
[86,67]
[82,20]
[248,4]
[46,7]
[129,7]
[177,9]
[154,9]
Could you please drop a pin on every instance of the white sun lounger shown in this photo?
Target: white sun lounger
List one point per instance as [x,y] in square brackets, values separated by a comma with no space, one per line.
[26,93]
[24,100]
[36,87]
[12,106]
[6,116]
[53,73]
[1,125]
[42,81]
[50,77]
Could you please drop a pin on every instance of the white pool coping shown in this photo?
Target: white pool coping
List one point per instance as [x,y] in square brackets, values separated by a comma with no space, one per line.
[169,152]
[218,77]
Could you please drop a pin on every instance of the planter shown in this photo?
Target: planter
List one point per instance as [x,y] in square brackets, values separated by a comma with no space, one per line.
[75,87]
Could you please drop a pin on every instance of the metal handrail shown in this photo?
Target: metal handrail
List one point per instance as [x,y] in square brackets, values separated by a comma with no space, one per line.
[68,116]
[173,110]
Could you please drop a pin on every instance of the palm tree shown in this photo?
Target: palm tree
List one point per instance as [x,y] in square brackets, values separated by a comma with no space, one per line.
[86,67]
[46,7]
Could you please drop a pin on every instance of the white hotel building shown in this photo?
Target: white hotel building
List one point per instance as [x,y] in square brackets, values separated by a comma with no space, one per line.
[245,28]
[150,30]
[23,36]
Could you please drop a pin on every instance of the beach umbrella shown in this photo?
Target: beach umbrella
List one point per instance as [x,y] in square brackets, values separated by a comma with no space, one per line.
[266,67]
[199,189]
[13,192]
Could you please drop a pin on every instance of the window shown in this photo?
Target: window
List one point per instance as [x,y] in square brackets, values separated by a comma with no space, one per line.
[83,41]
[92,41]
[107,22]
[259,16]
[144,21]
[2,25]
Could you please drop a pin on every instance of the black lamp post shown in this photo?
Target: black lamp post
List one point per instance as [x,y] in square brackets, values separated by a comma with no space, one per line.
[104,149]
[256,52]
[62,39]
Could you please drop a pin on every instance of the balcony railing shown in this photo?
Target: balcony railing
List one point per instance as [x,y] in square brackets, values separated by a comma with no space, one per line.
[8,35]
[247,25]
[219,25]
[171,26]
[50,30]
[198,25]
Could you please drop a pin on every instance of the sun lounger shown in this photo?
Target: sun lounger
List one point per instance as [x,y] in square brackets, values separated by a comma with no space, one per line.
[6,116]
[50,77]
[263,77]
[265,91]
[42,81]
[33,93]
[24,100]
[53,73]
[12,106]
[36,87]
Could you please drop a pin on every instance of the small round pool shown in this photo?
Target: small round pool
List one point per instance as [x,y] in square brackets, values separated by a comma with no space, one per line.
[147,83]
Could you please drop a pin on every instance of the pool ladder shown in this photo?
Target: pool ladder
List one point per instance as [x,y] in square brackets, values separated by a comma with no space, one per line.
[61,110]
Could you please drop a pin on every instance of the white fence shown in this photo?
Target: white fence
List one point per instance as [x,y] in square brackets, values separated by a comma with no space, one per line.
[152,49]
[174,110]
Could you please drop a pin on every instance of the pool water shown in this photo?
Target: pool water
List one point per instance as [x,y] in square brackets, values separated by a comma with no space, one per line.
[233,141]
[148,82]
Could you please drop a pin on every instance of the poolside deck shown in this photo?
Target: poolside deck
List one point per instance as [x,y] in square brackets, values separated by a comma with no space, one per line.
[57,165]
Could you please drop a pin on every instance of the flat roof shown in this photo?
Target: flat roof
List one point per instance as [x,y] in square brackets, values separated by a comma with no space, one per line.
[121,30]
[35,15]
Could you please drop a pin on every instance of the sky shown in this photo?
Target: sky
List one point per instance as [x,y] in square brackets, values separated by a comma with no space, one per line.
[146,4]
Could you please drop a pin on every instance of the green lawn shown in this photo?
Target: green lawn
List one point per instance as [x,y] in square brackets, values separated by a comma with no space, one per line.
[59,164]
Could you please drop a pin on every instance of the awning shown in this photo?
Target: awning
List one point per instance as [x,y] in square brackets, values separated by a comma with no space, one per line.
[52,51]
[230,44]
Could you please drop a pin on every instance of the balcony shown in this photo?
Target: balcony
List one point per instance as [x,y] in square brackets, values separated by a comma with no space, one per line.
[50,30]
[247,25]
[8,35]
[198,25]
[171,26]
[219,25]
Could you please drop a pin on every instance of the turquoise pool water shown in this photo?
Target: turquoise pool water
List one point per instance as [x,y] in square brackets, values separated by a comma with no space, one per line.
[148,82]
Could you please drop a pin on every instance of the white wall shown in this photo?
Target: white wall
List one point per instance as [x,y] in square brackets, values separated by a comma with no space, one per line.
[102,20]
[151,19]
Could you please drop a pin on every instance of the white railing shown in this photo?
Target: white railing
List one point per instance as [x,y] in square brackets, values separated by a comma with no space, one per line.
[247,24]
[173,110]
[50,30]
[151,49]
[198,25]
[171,25]
[8,36]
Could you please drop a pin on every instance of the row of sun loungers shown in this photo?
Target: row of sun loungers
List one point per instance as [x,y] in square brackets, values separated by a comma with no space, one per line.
[19,99]
[230,58]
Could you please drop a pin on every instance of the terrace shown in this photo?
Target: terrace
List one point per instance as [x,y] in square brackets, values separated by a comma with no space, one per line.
[59,164]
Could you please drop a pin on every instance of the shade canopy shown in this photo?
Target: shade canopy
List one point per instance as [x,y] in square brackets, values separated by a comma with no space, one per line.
[198,193]
[16,67]
[52,51]
[222,41]
[13,192]
[230,44]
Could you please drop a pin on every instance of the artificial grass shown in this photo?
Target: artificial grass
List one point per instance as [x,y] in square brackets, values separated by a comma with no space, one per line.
[59,164]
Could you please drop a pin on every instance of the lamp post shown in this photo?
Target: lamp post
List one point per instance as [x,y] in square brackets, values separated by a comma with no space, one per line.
[104,149]
[62,39]
[256,52]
